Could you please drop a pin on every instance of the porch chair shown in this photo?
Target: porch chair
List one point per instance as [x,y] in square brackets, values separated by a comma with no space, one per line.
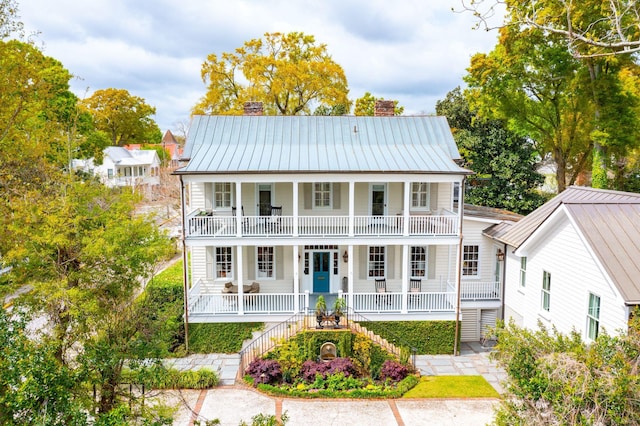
[275,221]
[415,286]
[381,290]
[245,221]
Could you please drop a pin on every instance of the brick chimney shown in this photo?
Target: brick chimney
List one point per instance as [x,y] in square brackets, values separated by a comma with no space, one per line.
[384,108]
[253,108]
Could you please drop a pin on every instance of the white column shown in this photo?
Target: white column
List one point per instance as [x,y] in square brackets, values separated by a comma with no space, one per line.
[295,209]
[240,275]
[352,212]
[405,277]
[405,210]
[350,276]
[296,276]
[239,217]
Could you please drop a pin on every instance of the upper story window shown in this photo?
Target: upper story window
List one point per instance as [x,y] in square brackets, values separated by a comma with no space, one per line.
[593,317]
[110,173]
[322,195]
[523,271]
[420,195]
[546,290]
[376,262]
[470,260]
[224,262]
[222,195]
[418,262]
[266,262]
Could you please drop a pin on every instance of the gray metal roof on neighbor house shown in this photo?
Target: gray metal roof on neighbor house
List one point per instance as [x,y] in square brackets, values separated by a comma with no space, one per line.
[315,144]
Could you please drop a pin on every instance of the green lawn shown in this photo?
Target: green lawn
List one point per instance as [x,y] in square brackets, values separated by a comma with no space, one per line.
[452,387]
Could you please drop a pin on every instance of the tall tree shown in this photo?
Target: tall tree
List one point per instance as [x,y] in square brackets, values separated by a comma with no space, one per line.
[366,105]
[9,23]
[124,117]
[288,73]
[504,162]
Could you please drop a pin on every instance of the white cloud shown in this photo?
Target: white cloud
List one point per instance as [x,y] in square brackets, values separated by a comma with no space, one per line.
[410,50]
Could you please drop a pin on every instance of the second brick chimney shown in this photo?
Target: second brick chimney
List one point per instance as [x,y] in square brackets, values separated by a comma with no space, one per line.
[253,108]
[384,108]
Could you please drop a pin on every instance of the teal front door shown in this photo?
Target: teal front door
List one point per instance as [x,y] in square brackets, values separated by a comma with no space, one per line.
[321,272]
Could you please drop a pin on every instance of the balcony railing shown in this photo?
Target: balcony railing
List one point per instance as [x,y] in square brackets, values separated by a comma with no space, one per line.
[478,290]
[210,225]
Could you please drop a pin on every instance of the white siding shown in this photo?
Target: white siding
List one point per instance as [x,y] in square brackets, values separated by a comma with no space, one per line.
[198,263]
[574,274]
[473,236]
[197,195]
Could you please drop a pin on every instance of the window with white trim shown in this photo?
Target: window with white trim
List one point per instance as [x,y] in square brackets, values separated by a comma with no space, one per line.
[376,262]
[593,317]
[546,290]
[266,262]
[470,260]
[418,262]
[222,195]
[523,271]
[420,195]
[224,262]
[110,173]
[322,195]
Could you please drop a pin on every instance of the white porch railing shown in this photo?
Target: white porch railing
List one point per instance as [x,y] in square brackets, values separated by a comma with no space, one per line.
[200,224]
[261,303]
[416,302]
[478,290]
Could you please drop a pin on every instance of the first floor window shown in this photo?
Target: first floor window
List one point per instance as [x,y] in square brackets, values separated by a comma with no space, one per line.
[418,262]
[224,262]
[376,261]
[222,195]
[420,195]
[265,262]
[546,290]
[321,194]
[470,259]
[593,317]
[523,271]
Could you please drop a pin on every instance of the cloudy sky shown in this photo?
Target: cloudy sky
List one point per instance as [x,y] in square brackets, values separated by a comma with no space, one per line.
[414,51]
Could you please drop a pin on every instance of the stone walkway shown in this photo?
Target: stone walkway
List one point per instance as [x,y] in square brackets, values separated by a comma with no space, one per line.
[226,365]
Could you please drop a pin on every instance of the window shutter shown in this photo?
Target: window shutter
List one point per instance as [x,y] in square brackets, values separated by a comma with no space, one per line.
[433,194]
[209,263]
[390,252]
[336,195]
[307,193]
[363,252]
[431,262]
[250,255]
[279,263]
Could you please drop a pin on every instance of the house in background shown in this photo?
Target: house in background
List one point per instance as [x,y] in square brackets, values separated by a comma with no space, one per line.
[169,144]
[574,263]
[123,167]
[361,208]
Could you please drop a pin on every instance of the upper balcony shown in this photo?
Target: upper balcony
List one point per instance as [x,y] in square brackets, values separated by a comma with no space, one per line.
[209,224]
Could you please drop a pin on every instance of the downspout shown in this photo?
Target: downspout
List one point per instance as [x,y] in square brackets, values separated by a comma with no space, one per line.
[185,286]
[459,265]
[504,281]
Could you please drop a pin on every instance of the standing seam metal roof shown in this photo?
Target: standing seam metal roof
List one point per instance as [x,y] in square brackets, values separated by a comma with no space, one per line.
[282,144]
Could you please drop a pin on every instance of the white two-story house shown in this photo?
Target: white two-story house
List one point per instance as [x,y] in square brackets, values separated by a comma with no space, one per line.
[363,208]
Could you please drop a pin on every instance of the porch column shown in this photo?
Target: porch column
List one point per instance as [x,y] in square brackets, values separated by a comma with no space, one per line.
[405,210]
[405,277]
[350,276]
[296,273]
[239,217]
[295,214]
[352,212]
[239,274]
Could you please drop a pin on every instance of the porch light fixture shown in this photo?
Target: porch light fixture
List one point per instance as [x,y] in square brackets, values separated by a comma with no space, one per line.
[500,255]
[345,257]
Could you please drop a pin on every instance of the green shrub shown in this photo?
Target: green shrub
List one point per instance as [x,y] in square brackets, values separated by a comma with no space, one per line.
[159,377]
[428,337]
[220,337]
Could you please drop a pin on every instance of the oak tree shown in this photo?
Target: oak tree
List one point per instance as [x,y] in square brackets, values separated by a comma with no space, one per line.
[289,73]
[365,105]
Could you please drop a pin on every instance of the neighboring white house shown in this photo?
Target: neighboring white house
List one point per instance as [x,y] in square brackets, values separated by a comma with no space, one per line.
[123,167]
[362,208]
[574,263]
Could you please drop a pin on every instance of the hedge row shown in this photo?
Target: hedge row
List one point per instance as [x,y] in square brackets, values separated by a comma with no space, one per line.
[428,337]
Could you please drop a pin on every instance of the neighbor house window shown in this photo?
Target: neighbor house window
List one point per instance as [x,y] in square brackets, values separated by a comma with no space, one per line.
[546,290]
[376,261]
[266,262]
[470,259]
[420,195]
[110,173]
[593,317]
[418,262]
[222,195]
[224,262]
[523,271]
[321,194]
